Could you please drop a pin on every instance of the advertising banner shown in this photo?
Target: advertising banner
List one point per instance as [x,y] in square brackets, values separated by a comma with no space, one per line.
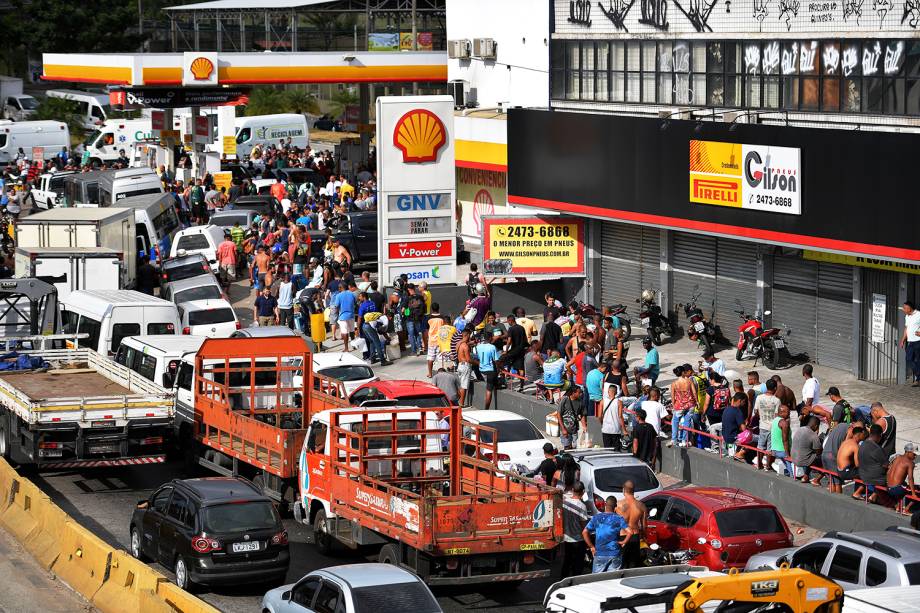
[756,177]
[177,97]
[383,41]
[222,179]
[480,193]
[531,246]
[424,39]
[157,121]
[229,145]
[416,188]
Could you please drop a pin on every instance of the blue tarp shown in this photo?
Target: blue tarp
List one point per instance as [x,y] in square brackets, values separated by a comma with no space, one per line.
[16,361]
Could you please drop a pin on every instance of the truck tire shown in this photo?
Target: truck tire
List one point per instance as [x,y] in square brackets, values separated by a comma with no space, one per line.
[321,538]
[389,554]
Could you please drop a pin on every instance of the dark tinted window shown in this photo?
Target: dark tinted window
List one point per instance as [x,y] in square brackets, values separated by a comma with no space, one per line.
[161,328]
[511,431]
[876,572]
[119,331]
[423,402]
[913,573]
[192,241]
[304,592]
[210,316]
[146,366]
[229,220]
[166,222]
[256,515]
[738,522]
[186,271]
[92,328]
[682,513]
[655,506]
[180,509]
[611,480]
[186,373]
[160,499]
[204,292]
[349,372]
[326,599]
[845,565]
[811,557]
[399,597]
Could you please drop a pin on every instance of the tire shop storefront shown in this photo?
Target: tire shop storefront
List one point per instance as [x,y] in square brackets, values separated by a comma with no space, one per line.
[815,225]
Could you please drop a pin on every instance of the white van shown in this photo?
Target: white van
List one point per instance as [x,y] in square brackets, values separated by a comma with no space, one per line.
[117,134]
[125,182]
[270,130]
[199,239]
[93,108]
[108,316]
[157,357]
[155,222]
[51,136]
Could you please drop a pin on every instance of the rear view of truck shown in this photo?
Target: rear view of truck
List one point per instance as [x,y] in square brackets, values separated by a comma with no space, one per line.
[81,409]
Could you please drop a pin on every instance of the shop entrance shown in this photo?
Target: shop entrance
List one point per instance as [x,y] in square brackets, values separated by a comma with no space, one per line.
[879,329]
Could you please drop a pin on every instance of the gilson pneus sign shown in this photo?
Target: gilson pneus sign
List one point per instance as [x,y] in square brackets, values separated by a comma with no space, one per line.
[755,177]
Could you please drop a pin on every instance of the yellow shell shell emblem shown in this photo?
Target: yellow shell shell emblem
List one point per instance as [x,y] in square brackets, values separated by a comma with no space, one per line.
[202,68]
[419,134]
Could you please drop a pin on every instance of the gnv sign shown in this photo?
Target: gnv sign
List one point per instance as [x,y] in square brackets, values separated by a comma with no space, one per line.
[405,203]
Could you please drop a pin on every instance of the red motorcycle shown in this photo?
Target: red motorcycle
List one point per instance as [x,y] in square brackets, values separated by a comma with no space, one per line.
[755,341]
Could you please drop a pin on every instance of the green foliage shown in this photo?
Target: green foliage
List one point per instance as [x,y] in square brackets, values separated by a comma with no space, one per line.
[269,101]
[61,109]
[62,26]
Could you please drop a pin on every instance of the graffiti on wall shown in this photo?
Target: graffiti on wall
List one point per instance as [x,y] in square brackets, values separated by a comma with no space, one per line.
[616,11]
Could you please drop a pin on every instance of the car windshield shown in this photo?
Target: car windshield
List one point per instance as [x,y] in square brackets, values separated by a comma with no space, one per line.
[241,516]
[185,271]
[511,431]
[348,372]
[204,292]
[210,316]
[747,520]
[423,402]
[611,479]
[28,104]
[394,597]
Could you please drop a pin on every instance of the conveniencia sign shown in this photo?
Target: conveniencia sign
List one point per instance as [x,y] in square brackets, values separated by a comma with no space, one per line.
[755,177]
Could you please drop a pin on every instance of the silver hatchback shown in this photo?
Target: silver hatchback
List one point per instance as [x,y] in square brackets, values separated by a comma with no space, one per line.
[604,472]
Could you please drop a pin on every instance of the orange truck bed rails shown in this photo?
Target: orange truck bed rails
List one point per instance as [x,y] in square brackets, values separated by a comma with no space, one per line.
[452,504]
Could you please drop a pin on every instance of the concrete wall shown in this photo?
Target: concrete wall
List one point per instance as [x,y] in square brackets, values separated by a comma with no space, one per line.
[802,503]
[506,296]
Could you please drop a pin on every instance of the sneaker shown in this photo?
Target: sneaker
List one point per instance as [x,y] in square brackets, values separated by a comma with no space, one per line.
[670,443]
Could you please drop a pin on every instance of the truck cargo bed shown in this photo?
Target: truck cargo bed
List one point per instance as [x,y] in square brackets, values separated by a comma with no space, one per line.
[58,384]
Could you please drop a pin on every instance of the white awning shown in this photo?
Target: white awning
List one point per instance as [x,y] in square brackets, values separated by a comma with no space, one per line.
[238,5]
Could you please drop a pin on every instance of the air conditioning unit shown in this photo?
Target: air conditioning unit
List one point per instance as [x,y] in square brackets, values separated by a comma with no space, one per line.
[460,90]
[458,49]
[484,48]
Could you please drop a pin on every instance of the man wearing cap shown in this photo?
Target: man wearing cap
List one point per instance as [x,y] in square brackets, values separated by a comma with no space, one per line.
[842,411]
[901,470]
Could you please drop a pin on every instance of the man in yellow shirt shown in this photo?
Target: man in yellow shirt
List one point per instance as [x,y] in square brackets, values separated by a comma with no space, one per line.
[435,321]
[525,322]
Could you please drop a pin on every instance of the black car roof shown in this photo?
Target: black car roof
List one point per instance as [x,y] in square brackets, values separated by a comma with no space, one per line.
[255,198]
[211,490]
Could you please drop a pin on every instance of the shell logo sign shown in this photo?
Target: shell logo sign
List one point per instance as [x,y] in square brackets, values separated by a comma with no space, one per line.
[420,135]
[202,68]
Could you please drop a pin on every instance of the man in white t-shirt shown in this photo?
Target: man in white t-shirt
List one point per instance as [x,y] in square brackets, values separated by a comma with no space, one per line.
[911,339]
[811,389]
[654,410]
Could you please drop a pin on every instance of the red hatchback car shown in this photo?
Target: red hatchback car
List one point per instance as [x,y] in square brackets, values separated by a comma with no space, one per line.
[405,392]
[724,526]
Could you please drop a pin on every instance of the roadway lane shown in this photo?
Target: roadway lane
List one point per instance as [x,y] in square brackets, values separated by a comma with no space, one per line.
[103,500]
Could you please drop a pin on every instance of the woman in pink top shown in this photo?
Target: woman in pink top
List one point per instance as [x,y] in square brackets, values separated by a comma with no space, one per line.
[683,399]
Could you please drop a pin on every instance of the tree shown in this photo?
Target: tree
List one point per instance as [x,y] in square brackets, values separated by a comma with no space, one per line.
[61,109]
[266,101]
[299,101]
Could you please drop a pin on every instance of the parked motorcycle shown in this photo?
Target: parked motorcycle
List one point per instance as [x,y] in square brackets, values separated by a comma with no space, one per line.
[650,315]
[757,342]
[700,329]
[654,555]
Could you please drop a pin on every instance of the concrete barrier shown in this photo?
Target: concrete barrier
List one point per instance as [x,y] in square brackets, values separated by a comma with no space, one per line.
[84,560]
[799,502]
[131,586]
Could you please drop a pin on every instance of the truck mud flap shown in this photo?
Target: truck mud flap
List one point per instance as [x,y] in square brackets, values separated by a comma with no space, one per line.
[104,463]
[500,578]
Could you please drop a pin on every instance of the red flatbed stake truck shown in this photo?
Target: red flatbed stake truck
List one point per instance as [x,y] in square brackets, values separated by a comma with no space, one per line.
[393,478]
[252,407]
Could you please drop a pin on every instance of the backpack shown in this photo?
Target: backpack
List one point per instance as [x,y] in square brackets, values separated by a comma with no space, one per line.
[721,397]
[471,280]
[570,417]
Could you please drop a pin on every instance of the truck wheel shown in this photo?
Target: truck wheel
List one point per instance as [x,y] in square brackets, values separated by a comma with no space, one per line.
[321,537]
[389,554]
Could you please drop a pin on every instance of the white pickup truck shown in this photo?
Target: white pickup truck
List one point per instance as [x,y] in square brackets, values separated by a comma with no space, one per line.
[50,189]
[85,410]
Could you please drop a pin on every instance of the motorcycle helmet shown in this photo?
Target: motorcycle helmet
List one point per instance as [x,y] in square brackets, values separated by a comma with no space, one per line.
[648,295]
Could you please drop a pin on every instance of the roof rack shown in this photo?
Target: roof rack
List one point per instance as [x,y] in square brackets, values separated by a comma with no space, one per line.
[903,530]
[865,542]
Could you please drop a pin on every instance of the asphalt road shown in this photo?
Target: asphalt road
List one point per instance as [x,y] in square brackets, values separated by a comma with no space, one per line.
[103,501]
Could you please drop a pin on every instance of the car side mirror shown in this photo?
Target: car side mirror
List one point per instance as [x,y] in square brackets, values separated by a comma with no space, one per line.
[286,595]
[168,380]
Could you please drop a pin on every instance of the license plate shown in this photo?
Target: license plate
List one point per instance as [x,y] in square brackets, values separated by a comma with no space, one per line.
[645,321]
[50,453]
[104,448]
[457,551]
[103,424]
[699,326]
[779,344]
[243,547]
[532,546]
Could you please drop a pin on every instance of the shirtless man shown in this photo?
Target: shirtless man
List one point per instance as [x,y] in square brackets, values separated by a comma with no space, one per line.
[261,263]
[636,516]
[901,470]
[464,365]
[785,394]
[848,456]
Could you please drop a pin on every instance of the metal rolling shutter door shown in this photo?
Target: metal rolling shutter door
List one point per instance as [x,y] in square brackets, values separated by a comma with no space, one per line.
[651,261]
[794,304]
[835,316]
[736,282]
[694,266]
[621,246]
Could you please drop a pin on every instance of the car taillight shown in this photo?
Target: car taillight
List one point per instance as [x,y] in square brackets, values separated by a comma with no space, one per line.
[203,544]
[502,457]
[281,538]
[51,445]
[529,559]
[186,330]
[239,326]
[598,503]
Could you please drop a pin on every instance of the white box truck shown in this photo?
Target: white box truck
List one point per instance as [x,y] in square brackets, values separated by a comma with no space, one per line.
[72,268]
[83,227]
[15,104]
[51,136]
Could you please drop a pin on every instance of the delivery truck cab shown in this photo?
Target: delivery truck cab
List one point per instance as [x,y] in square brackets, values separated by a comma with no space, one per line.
[267,130]
[116,185]
[93,108]
[20,107]
[49,136]
[115,135]
[157,357]
[155,221]
[108,316]
[72,268]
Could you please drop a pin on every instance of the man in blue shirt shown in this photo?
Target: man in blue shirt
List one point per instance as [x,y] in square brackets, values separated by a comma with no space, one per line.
[652,366]
[732,418]
[375,349]
[486,356]
[594,385]
[605,536]
[305,220]
[345,303]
